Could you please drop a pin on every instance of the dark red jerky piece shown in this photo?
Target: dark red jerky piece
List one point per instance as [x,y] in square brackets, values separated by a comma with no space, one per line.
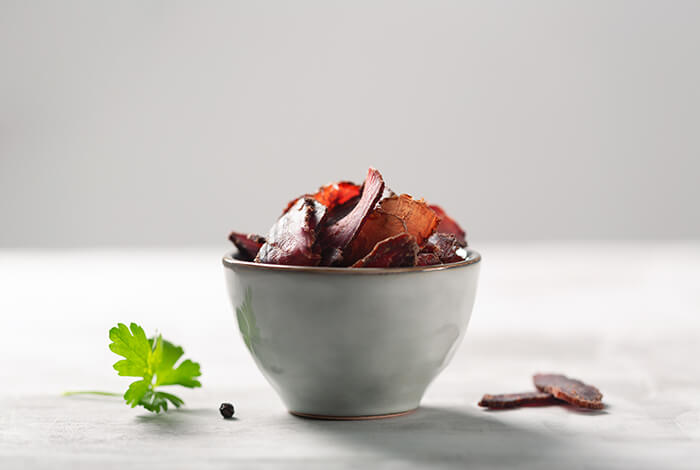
[420,220]
[292,240]
[331,195]
[445,246]
[395,215]
[427,259]
[449,225]
[513,400]
[341,210]
[248,244]
[336,237]
[378,226]
[569,390]
[396,251]
[336,194]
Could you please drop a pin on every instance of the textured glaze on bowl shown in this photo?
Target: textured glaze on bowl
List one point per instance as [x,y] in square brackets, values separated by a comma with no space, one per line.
[340,342]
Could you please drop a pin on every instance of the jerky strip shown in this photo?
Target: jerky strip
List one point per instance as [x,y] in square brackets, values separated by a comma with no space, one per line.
[248,244]
[396,251]
[513,400]
[449,225]
[395,215]
[569,390]
[427,259]
[292,239]
[421,221]
[445,246]
[336,237]
[331,195]
[378,226]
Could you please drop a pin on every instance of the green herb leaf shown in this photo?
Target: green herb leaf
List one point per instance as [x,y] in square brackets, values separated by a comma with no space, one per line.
[136,391]
[134,347]
[158,401]
[154,361]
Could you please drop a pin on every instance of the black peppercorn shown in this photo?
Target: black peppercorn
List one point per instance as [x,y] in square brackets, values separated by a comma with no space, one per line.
[226,410]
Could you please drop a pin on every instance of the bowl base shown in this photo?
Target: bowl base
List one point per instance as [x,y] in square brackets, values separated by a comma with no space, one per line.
[352,418]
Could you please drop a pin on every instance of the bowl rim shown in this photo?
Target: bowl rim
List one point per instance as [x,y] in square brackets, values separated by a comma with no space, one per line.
[473,257]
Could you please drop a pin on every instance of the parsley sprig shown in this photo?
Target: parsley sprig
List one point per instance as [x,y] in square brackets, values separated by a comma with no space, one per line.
[153,360]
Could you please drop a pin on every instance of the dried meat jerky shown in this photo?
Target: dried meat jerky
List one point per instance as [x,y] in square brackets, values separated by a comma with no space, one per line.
[513,400]
[331,195]
[445,246]
[343,223]
[292,240]
[378,226]
[395,215]
[448,225]
[569,390]
[337,193]
[421,221]
[248,244]
[337,236]
[397,251]
[427,259]
[336,213]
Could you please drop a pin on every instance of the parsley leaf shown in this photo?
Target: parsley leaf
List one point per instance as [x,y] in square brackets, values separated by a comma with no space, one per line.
[153,360]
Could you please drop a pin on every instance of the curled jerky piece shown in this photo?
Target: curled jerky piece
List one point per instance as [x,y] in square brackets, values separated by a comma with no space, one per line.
[446,247]
[569,390]
[427,259]
[449,225]
[337,193]
[397,251]
[337,236]
[292,239]
[378,226]
[331,195]
[513,400]
[395,215]
[248,244]
[421,221]
[339,211]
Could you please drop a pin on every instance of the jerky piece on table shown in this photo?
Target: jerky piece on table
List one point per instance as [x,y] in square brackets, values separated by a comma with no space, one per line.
[445,246]
[292,239]
[449,225]
[569,390]
[397,251]
[331,195]
[335,237]
[248,244]
[513,400]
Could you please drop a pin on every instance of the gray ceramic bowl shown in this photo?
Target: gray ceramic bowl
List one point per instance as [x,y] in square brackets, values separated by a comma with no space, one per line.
[352,343]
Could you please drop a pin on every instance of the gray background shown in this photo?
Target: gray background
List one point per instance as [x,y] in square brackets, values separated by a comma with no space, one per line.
[170,123]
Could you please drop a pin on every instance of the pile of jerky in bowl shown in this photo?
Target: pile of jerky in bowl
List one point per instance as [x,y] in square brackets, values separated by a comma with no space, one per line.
[347,225]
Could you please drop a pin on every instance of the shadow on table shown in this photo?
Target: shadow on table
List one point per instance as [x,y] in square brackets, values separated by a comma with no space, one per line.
[177,421]
[446,437]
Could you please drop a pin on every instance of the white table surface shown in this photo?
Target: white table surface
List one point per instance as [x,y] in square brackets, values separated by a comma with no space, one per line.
[622,316]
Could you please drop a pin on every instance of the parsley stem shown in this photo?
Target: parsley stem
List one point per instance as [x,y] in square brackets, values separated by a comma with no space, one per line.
[91,392]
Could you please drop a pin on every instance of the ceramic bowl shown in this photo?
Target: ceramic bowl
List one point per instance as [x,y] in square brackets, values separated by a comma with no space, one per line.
[349,343]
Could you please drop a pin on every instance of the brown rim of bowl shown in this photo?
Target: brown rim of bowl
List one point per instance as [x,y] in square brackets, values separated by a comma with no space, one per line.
[230,262]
